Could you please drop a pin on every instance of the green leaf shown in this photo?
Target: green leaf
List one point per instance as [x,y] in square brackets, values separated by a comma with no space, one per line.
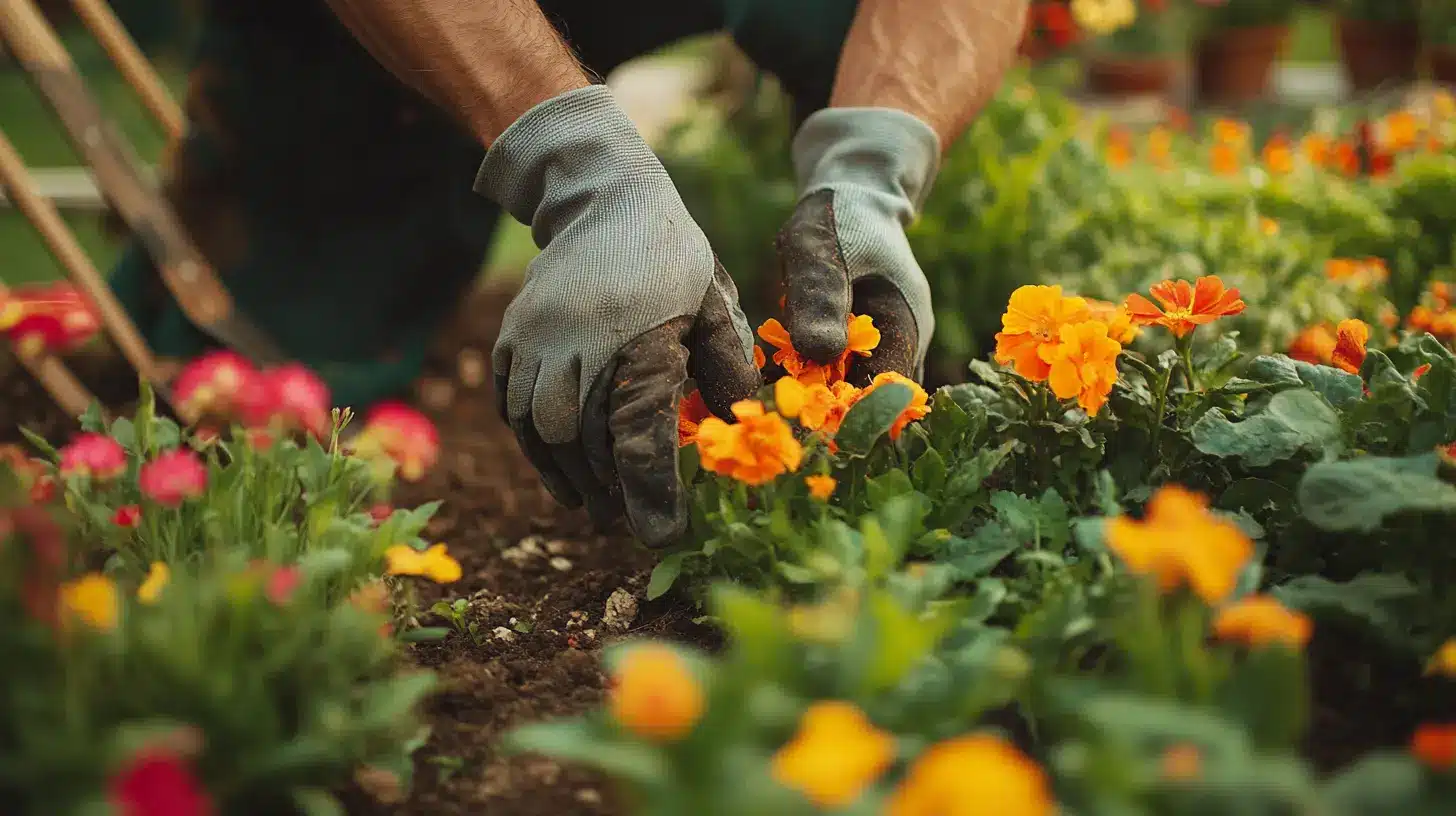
[1360,494]
[880,490]
[1254,496]
[316,802]
[578,742]
[902,638]
[124,432]
[929,472]
[92,421]
[40,444]
[1371,598]
[665,574]
[424,634]
[1292,422]
[755,627]
[872,416]
[1379,784]
[976,556]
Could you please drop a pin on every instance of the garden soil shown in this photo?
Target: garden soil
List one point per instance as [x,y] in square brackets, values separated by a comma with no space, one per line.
[546,592]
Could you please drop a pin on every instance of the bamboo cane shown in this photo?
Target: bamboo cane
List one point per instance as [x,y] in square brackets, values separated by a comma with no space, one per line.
[132,63]
[184,270]
[62,243]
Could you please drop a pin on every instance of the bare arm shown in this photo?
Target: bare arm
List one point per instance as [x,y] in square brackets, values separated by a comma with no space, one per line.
[940,60]
[486,61]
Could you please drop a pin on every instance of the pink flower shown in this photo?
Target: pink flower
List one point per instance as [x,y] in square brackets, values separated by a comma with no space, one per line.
[289,397]
[281,584]
[403,434]
[380,513]
[173,477]
[209,386]
[129,515]
[51,318]
[93,455]
[157,783]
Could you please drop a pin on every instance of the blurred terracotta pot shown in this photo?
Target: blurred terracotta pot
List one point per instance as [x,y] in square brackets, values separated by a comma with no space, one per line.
[1377,53]
[1234,65]
[1117,75]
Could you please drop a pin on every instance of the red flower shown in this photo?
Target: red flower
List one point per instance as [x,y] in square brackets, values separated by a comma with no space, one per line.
[43,490]
[53,318]
[1420,371]
[173,477]
[129,515]
[403,434]
[94,456]
[289,397]
[281,584]
[380,513]
[209,386]
[155,783]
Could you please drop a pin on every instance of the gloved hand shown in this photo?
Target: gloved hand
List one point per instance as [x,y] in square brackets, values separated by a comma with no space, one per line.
[863,174]
[624,300]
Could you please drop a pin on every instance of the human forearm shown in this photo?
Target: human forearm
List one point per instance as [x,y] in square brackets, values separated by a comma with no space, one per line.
[486,61]
[939,60]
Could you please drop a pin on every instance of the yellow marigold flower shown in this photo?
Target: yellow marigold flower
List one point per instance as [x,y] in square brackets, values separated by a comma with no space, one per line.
[1180,542]
[1443,662]
[818,407]
[755,450]
[919,400]
[434,563]
[156,579]
[1260,621]
[1269,227]
[1185,306]
[1350,339]
[1119,148]
[1316,148]
[1444,104]
[1399,131]
[836,754]
[1084,366]
[1104,16]
[821,487]
[91,599]
[1034,318]
[975,775]
[863,339]
[1315,344]
[654,693]
[1120,326]
[1182,762]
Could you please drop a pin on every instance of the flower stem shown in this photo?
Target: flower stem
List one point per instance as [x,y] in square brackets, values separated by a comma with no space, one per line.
[1185,353]
[1165,381]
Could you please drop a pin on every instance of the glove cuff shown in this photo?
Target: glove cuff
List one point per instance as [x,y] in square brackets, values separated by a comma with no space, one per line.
[882,150]
[558,156]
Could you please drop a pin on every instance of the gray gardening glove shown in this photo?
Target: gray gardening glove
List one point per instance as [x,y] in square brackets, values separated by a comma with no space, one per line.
[625,299]
[863,174]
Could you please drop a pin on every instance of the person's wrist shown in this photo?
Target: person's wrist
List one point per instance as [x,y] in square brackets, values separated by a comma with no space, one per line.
[879,150]
[566,149]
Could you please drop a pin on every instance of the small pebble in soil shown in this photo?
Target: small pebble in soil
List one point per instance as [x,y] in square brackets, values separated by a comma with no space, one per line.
[621,610]
[502,633]
[556,546]
[588,796]
[560,564]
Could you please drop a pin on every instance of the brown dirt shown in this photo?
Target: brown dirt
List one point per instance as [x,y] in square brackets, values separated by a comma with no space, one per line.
[529,564]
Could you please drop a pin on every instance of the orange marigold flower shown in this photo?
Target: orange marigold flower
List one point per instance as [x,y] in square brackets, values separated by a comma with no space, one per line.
[759,361]
[836,755]
[1435,745]
[863,338]
[1119,148]
[818,407]
[972,775]
[1260,621]
[1316,148]
[1034,318]
[1279,155]
[1361,272]
[1185,306]
[1119,322]
[1269,227]
[1389,317]
[919,400]
[1441,292]
[1350,339]
[1399,131]
[821,487]
[691,411]
[1084,365]
[1443,662]
[1224,160]
[755,450]
[1232,133]
[1315,344]
[1182,762]
[655,694]
[1160,146]
[1180,542]
[1344,158]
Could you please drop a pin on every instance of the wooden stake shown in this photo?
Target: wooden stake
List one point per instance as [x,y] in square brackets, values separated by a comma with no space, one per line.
[58,381]
[62,243]
[132,63]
